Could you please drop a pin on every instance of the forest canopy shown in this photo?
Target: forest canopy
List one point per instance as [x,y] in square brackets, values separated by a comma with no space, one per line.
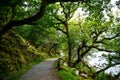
[76,28]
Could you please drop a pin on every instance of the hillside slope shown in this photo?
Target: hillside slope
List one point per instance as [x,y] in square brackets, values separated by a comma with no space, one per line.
[14,53]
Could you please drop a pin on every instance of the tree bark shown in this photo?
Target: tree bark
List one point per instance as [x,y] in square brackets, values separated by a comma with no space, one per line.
[106,68]
[53,46]
[69,43]
[69,52]
[78,56]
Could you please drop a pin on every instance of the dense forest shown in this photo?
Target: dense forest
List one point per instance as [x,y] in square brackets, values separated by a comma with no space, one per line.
[73,30]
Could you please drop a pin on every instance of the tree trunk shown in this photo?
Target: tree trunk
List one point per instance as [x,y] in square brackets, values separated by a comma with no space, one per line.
[69,44]
[53,46]
[69,52]
[78,56]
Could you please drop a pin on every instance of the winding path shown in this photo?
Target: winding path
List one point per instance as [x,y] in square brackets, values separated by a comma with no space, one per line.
[42,71]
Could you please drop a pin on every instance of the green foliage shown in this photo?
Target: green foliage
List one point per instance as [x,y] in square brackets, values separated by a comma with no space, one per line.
[102,76]
[16,10]
[95,31]
[66,75]
[14,53]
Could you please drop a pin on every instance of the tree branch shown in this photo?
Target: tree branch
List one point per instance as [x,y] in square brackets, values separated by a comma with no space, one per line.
[64,11]
[26,20]
[34,17]
[117,35]
[117,76]
[100,49]
[86,51]
[63,22]
[87,66]
[68,14]
[100,42]
[80,57]
[97,34]
[106,68]
[60,30]
[53,1]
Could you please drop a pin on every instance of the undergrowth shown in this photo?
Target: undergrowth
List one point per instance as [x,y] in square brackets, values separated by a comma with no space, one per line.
[16,75]
[64,75]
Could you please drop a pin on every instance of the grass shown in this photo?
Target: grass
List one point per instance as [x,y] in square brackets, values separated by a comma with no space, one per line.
[17,74]
[64,75]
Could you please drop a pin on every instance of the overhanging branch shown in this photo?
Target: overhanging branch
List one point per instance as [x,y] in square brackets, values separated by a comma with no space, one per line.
[117,35]
[26,20]
[106,68]
[100,42]
[60,30]
[53,1]
[63,22]
[100,49]
[34,17]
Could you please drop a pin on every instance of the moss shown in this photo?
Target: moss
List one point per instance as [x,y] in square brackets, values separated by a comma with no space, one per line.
[65,68]
[15,51]
[66,75]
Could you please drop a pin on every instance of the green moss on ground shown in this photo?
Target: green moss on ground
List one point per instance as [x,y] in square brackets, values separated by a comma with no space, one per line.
[65,75]
[15,52]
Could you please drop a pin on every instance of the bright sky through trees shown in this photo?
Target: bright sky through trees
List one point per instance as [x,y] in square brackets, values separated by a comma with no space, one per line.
[86,31]
[115,11]
[97,61]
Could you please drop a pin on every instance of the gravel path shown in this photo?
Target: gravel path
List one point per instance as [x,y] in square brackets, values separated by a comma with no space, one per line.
[42,71]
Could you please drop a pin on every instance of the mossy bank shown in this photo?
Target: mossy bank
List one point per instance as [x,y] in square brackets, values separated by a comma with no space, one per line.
[15,52]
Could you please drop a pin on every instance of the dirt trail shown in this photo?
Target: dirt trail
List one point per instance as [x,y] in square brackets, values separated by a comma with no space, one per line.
[42,71]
